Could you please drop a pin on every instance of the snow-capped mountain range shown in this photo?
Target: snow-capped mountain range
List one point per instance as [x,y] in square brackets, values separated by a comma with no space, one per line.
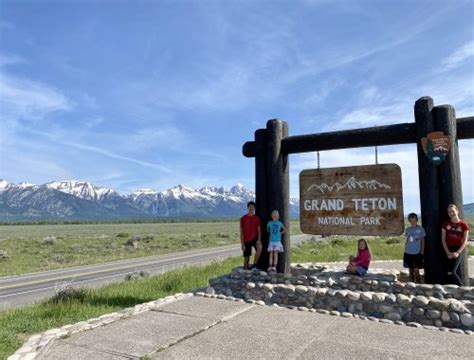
[351,184]
[83,200]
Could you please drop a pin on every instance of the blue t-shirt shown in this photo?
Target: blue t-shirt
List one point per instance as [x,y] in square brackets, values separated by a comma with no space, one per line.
[274,227]
[414,235]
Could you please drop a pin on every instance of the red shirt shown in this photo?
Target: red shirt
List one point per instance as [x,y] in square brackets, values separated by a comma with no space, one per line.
[455,232]
[249,225]
[363,258]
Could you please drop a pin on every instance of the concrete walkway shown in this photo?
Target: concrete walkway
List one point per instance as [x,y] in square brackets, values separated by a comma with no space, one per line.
[199,327]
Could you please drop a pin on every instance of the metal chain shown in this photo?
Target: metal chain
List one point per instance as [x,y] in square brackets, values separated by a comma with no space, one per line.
[376,156]
[319,164]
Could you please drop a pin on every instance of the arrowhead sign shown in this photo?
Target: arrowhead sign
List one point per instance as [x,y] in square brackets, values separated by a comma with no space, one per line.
[436,146]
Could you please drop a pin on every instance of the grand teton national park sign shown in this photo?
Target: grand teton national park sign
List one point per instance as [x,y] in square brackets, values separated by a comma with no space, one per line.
[356,200]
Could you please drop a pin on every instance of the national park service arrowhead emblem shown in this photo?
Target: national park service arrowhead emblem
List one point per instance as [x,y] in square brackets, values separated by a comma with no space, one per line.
[436,146]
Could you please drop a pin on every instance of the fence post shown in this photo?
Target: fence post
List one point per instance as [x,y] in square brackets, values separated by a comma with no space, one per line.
[450,187]
[261,191]
[429,196]
[278,195]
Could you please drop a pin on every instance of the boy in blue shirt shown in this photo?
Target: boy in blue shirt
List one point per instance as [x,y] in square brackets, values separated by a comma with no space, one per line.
[275,228]
[414,248]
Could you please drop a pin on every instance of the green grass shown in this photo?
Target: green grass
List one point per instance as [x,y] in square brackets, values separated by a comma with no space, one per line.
[81,244]
[338,248]
[17,325]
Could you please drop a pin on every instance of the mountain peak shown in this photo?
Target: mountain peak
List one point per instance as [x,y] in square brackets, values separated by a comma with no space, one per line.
[87,201]
[4,184]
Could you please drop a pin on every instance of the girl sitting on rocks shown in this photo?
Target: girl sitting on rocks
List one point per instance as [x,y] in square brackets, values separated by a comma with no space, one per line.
[360,264]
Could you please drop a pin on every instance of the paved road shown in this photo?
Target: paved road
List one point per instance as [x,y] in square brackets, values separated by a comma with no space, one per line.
[16,291]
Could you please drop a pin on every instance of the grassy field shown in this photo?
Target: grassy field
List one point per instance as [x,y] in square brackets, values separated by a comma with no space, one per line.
[337,248]
[32,248]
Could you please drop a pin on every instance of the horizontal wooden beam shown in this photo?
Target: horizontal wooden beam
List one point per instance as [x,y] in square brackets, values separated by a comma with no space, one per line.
[373,136]
[465,127]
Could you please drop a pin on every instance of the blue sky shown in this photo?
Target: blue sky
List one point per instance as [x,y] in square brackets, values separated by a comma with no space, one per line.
[150,94]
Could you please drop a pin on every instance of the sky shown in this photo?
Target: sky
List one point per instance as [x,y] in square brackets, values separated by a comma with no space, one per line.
[151,94]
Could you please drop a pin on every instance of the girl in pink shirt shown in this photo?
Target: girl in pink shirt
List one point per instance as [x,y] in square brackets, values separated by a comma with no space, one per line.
[360,264]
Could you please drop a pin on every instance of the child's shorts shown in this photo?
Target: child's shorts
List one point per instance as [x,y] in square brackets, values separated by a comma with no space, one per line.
[413,261]
[360,270]
[275,247]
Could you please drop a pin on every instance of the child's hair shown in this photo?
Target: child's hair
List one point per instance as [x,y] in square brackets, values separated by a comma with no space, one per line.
[275,212]
[250,203]
[366,246]
[412,216]
[453,206]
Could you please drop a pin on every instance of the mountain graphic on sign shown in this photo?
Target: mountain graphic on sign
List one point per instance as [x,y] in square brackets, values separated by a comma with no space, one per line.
[351,184]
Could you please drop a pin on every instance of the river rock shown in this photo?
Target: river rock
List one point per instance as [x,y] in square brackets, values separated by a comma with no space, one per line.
[322,292]
[268,287]
[394,316]
[403,299]
[414,324]
[418,311]
[250,286]
[385,308]
[420,300]
[379,297]
[391,299]
[454,317]
[433,314]
[439,304]
[466,320]
[445,316]
[312,291]
[300,289]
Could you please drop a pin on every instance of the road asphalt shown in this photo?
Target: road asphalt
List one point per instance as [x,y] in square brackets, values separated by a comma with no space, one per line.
[17,291]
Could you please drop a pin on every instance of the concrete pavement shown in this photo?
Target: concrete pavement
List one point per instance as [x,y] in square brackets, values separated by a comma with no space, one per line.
[199,327]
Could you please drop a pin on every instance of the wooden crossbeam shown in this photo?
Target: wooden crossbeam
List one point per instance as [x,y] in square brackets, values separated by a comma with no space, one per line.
[373,136]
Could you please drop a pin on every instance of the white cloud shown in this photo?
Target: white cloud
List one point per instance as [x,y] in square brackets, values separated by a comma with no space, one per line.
[23,99]
[459,56]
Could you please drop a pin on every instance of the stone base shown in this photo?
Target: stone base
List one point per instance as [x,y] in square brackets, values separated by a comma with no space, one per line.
[379,294]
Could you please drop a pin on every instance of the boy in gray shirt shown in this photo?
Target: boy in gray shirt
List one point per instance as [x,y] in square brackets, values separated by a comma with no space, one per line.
[414,248]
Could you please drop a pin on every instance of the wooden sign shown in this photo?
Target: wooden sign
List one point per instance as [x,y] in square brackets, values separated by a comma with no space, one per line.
[356,200]
[436,146]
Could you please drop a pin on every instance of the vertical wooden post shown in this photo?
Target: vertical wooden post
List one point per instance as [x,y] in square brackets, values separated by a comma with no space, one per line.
[450,172]
[261,191]
[429,196]
[278,194]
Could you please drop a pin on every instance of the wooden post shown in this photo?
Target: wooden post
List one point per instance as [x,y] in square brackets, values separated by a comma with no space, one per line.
[261,191]
[278,195]
[429,196]
[450,190]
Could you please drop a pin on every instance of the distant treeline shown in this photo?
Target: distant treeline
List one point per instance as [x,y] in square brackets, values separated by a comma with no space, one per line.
[123,221]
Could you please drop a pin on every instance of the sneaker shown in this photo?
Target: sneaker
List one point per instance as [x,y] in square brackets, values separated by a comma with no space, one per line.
[255,267]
